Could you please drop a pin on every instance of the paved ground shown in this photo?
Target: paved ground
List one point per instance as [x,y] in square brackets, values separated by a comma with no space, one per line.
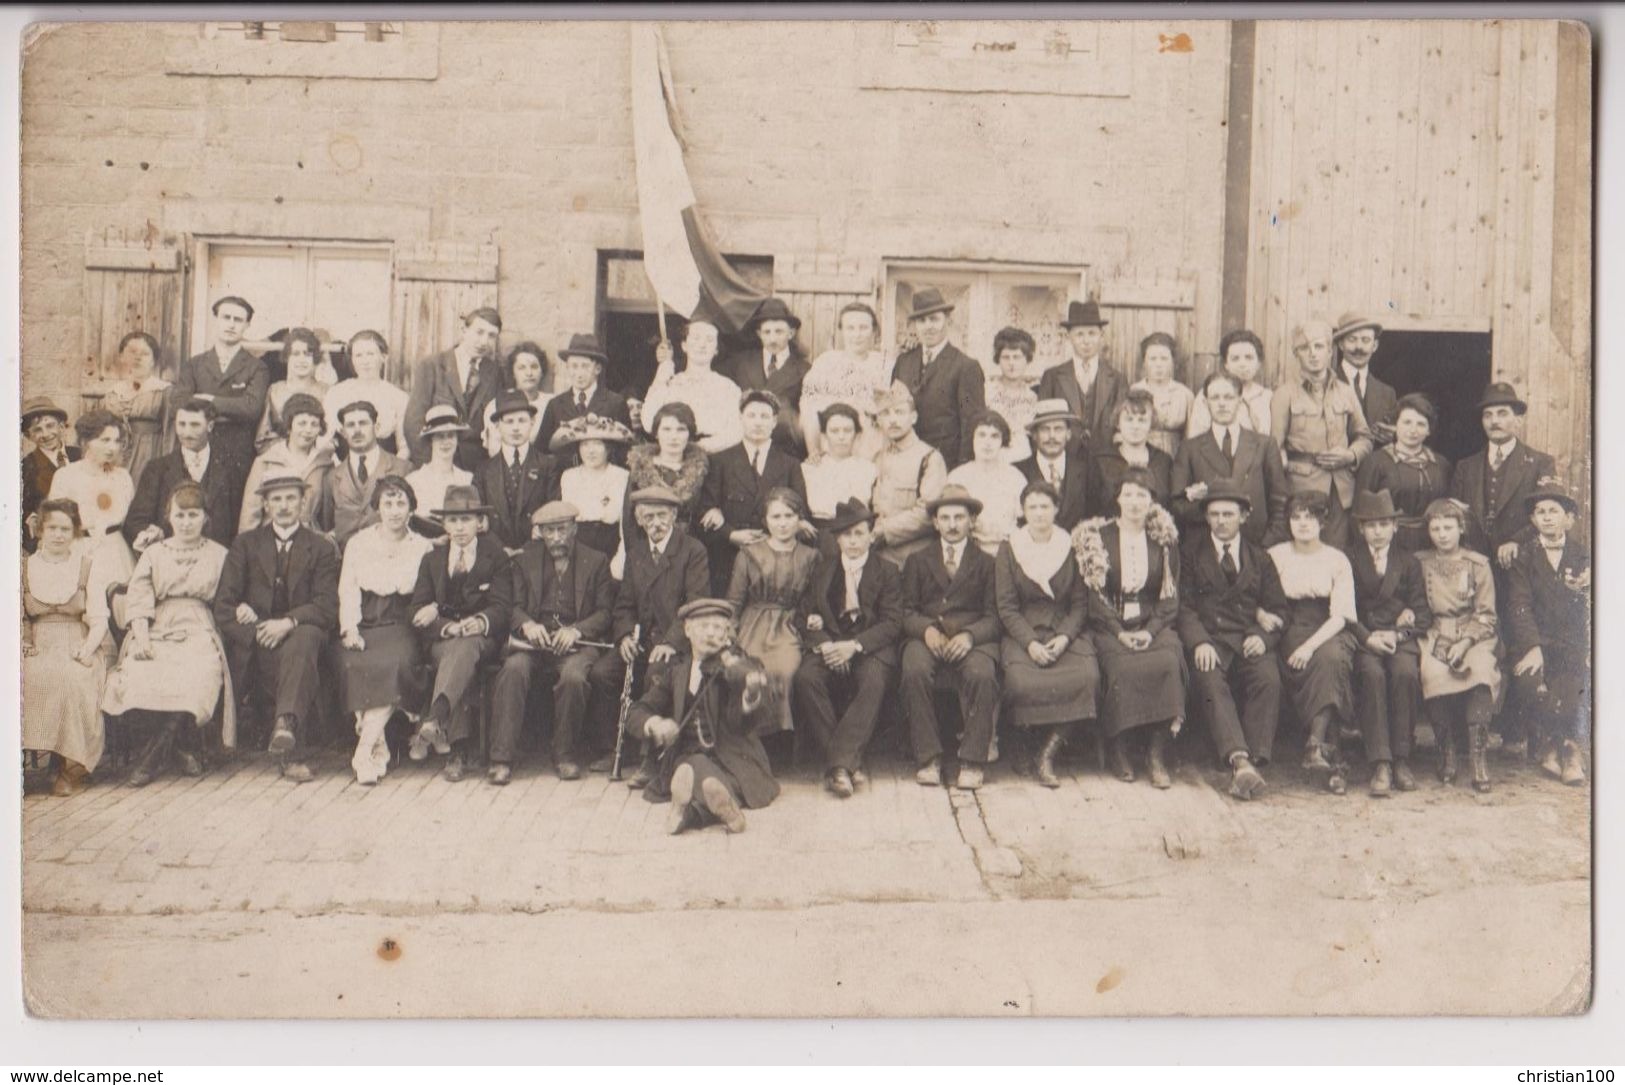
[240,895]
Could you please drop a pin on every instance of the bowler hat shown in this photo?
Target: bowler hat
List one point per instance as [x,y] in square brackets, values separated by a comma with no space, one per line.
[706,608]
[1225,489]
[1502,394]
[586,346]
[1084,314]
[1551,488]
[928,301]
[442,418]
[1052,410]
[510,400]
[656,495]
[1374,506]
[849,514]
[954,494]
[589,427]
[1353,322]
[556,512]
[774,309]
[461,501]
[281,480]
[42,405]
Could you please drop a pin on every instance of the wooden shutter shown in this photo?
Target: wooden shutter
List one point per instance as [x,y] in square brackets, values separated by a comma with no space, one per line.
[815,288]
[1137,304]
[436,284]
[134,281]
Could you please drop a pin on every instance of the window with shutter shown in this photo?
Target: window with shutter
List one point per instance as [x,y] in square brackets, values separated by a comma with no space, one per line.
[133,282]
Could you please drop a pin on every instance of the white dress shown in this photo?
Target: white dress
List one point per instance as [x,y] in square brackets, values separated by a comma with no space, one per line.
[713,398]
[839,377]
[831,481]
[103,498]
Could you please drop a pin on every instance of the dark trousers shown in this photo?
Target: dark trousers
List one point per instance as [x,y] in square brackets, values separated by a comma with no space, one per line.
[1555,703]
[456,666]
[290,673]
[571,687]
[816,692]
[1387,695]
[1338,526]
[1257,684]
[975,678]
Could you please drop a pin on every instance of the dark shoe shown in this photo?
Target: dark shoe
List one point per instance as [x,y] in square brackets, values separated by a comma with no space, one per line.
[930,773]
[1046,760]
[189,762]
[1120,762]
[839,783]
[681,815]
[601,764]
[720,801]
[969,777]
[860,778]
[1574,773]
[1382,780]
[1478,738]
[282,738]
[499,774]
[569,770]
[639,779]
[1314,749]
[456,768]
[296,772]
[1155,765]
[1245,781]
[1404,779]
[155,754]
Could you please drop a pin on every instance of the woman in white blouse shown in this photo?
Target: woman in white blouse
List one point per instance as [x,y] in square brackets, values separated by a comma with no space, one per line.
[854,374]
[369,352]
[101,487]
[991,480]
[596,487]
[526,370]
[840,474]
[713,398]
[442,429]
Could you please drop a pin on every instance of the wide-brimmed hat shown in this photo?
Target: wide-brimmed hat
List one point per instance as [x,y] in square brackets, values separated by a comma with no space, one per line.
[954,494]
[1052,410]
[656,495]
[1226,490]
[589,427]
[510,400]
[461,501]
[442,418]
[42,405]
[706,608]
[849,514]
[928,301]
[1084,314]
[1502,394]
[556,512]
[1374,506]
[281,480]
[1353,322]
[773,309]
[1551,488]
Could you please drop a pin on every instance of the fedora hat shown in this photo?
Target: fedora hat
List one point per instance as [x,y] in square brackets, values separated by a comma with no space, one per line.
[1502,394]
[442,418]
[462,500]
[1081,314]
[1052,410]
[1374,506]
[1550,488]
[928,301]
[589,427]
[510,400]
[1226,490]
[773,309]
[849,514]
[1353,322]
[42,405]
[281,480]
[954,494]
[586,346]
[556,512]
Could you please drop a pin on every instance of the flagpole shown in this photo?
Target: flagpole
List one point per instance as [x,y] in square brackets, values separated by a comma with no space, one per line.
[660,308]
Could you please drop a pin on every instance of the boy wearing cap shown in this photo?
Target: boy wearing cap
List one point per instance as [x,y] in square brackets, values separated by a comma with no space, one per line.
[520,478]
[44,423]
[346,502]
[739,478]
[561,594]
[947,385]
[909,473]
[582,363]
[193,460]
[777,366]
[235,381]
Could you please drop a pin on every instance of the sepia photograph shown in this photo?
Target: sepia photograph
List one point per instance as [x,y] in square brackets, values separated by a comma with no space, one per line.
[776,517]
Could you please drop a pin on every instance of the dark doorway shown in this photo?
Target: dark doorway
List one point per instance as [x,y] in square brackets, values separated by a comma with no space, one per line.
[1452,369]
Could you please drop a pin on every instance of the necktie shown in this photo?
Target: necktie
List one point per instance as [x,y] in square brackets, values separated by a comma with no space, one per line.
[361,469]
[772,364]
[512,480]
[756,462]
[473,380]
[581,402]
[1054,474]
[851,590]
[1228,563]
[279,590]
[460,566]
[1497,457]
[950,562]
[1229,449]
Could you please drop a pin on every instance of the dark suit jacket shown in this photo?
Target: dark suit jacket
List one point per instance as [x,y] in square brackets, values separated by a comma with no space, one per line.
[538,484]
[222,486]
[745,369]
[1379,601]
[1107,468]
[966,603]
[239,400]
[1543,610]
[1061,382]
[562,408]
[734,731]
[1156,612]
[948,396]
[345,504]
[651,591]
[1380,403]
[1026,613]
[38,471]
[880,598]
[733,486]
[1214,611]
[1257,473]
[1074,485]
[249,577]
[434,383]
[587,599]
[482,590]
[1507,522]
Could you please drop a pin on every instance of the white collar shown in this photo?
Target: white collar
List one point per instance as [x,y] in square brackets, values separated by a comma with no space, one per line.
[508,451]
[369,457]
[660,547]
[1086,370]
[200,456]
[586,396]
[954,550]
[1504,447]
[1355,373]
[1041,561]
[1379,557]
[751,450]
[1233,429]
[1058,461]
[284,537]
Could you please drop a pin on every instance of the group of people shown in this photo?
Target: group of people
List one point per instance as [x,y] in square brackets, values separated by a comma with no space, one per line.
[768,547]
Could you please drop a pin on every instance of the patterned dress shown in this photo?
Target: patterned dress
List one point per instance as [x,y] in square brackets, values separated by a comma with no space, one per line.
[144,409]
[765,590]
[1016,402]
[839,377]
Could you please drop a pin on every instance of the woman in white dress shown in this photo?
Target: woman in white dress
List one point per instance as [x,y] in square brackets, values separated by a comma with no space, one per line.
[853,374]
[840,474]
[1171,399]
[526,370]
[442,429]
[993,481]
[302,452]
[101,487]
[713,398]
[369,352]
[596,487]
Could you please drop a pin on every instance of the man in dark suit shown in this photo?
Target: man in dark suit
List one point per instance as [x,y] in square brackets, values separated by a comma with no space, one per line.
[234,381]
[1059,458]
[583,363]
[345,505]
[466,377]
[1391,600]
[193,460]
[1092,389]
[520,478]
[1231,610]
[561,594]
[460,606]
[1230,453]
[950,623]
[1355,340]
[947,384]
[738,480]
[1496,483]
[777,366]
[852,615]
[45,424]
[664,570]
[277,603]
[1548,631]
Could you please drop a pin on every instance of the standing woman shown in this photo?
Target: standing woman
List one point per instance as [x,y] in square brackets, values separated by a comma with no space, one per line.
[525,370]
[711,398]
[379,668]
[101,487]
[1461,678]
[369,353]
[141,398]
[674,460]
[841,473]
[302,452]
[173,663]
[853,375]
[64,657]
[1170,399]
[992,480]
[301,352]
[596,487]
[1130,449]
[1011,393]
[1408,469]
[442,431]
[1050,674]
[1132,566]
[1317,643]
[768,579]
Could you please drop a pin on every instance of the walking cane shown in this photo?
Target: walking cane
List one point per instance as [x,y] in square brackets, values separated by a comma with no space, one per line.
[626,704]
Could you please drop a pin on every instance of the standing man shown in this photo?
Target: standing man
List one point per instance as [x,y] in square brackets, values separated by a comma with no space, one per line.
[909,474]
[1092,389]
[561,594]
[521,477]
[778,366]
[1320,426]
[1495,483]
[1060,457]
[346,504]
[583,363]
[193,460]
[739,478]
[277,603]
[946,383]
[234,381]
[1232,453]
[466,377]
[44,424]
[1356,341]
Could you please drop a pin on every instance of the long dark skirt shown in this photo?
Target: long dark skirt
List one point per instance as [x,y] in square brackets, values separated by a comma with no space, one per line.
[1064,691]
[1327,682]
[386,672]
[604,538]
[1140,687]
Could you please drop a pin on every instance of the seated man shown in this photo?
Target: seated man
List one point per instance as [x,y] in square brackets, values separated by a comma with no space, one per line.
[853,616]
[346,503]
[561,594]
[191,461]
[663,572]
[909,473]
[739,477]
[1549,632]
[1391,599]
[701,711]
[950,620]
[461,605]
[277,602]
[1231,609]
[520,478]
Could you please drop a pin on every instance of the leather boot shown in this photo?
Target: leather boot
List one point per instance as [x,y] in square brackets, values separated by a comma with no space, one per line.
[188,747]
[1155,766]
[1120,762]
[1046,758]
[1314,748]
[155,754]
[1478,737]
[1448,760]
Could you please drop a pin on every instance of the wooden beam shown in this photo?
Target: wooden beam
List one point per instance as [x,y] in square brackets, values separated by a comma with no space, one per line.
[1238,174]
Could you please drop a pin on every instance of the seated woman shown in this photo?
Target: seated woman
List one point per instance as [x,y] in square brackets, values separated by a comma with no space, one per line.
[1130,448]
[101,487]
[301,352]
[840,474]
[595,486]
[1317,642]
[302,451]
[1170,398]
[673,460]
[173,664]
[64,657]
[369,354]
[1461,677]
[990,478]
[1011,391]
[768,579]
[1131,565]
[1050,673]
[379,670]
[852,375]
[442,430]
[141,398]
[526,370]
[1409,470]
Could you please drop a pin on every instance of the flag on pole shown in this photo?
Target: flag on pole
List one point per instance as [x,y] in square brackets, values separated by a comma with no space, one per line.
[690,276]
